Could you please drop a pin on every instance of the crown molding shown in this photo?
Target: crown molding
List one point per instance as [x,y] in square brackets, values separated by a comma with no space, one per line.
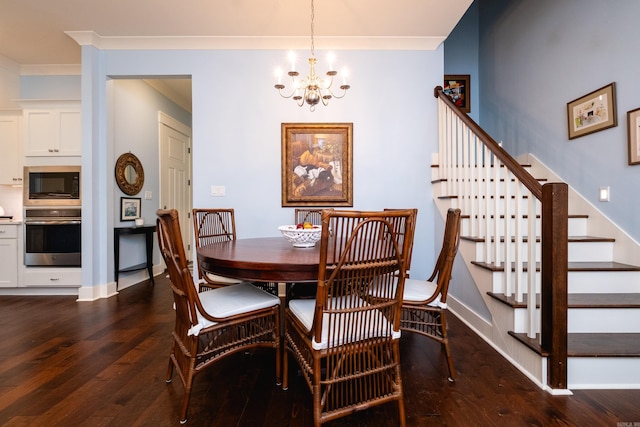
[91,38]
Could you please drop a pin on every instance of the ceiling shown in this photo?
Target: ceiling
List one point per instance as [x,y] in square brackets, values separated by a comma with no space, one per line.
[35,33]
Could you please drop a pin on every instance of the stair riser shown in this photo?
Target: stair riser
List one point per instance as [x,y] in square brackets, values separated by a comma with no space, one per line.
[603,372]
[584,320]
[576,227]
[586,282]
[605,320]
[470,204]
[593,282]
[578,251]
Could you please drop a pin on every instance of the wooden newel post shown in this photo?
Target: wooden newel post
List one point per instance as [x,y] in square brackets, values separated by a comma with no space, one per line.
[555,202]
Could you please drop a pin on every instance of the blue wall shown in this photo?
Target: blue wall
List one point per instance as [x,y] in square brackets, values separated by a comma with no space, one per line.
[50,87]
[461,54]
[538,55]
[236,136]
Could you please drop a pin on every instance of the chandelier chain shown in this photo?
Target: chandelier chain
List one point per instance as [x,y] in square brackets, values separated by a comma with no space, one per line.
[312,29]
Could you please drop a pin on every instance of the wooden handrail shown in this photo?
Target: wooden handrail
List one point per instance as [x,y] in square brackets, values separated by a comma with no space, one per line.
[554,248]
[523,176]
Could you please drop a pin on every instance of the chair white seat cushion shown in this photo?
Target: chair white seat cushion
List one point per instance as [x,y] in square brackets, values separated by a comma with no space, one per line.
[230,301]
[421,290]
[222,279]
[303,309]
[416,291]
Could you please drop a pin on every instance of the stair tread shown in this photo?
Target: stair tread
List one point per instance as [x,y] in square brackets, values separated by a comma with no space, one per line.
[591,344]
[572,266]
[580,300]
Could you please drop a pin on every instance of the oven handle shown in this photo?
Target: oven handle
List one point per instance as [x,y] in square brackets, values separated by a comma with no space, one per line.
[54,222]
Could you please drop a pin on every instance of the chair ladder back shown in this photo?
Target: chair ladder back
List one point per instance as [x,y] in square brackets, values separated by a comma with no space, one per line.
[450,242]
[314,216]
[406,230]
[172,250]
[212,226]
[362,250]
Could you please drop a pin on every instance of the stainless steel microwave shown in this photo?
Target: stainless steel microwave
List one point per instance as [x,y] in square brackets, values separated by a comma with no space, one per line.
[51,186]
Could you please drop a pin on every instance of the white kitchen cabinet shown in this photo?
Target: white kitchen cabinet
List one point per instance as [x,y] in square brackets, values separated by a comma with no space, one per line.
[52,128]
[9,255]
[10,147]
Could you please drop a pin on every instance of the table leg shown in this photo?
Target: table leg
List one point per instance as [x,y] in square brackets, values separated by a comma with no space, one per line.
[150,256]
[116,256]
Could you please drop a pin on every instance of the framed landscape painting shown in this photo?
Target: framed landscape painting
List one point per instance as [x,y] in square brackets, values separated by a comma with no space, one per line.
[129,208]
[317,164]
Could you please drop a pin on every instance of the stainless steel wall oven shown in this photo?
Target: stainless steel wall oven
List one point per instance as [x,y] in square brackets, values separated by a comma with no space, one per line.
[52,237]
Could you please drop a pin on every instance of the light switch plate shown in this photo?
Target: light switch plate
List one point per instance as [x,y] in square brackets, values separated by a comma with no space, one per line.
[604,194]
[218,190]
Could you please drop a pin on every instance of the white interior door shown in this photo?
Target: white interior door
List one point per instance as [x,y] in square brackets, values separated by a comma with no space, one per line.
[175,173]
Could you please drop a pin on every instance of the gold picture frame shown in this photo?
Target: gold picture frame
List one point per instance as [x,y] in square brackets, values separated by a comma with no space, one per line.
[592,112]
[633,132]
[317,164]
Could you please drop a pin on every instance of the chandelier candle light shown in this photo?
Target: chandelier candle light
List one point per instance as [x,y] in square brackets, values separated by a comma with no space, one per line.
[312,89]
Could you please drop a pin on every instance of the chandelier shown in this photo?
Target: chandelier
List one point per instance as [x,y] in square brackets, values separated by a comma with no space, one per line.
[313,88]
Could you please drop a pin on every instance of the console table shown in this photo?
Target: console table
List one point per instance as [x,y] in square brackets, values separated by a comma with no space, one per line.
[148,231]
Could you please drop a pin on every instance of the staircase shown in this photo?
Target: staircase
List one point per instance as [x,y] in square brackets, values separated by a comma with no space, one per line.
[602,314]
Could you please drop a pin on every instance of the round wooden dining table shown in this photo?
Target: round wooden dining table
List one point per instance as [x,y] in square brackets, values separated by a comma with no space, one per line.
[266,259]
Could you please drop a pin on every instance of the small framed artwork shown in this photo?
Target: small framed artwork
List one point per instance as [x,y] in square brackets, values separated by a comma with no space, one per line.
[456,86]
[633,123]
[592,112]
[317,164]
[130,208]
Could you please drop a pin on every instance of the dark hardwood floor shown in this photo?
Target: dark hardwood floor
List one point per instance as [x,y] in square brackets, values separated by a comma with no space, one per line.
[103,363]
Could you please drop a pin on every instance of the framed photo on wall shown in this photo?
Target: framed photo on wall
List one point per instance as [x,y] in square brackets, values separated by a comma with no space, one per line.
[592,112]
[457,87]
[633,124]
[130,208]
[317,164]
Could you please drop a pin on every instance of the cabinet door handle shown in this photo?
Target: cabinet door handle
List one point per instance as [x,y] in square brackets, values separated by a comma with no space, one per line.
[55,150]
[2,231]
[54,279]
[51,150]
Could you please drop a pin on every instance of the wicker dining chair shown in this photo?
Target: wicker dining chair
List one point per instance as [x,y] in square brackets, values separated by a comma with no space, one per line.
[424,302]
[314,216]
[304,290]
[346,344]
[214,324]
[213,226]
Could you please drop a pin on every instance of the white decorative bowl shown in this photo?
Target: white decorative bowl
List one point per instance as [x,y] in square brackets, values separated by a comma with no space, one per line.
[301,237]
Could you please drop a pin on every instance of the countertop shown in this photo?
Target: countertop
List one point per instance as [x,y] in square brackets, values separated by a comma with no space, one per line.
[11,221]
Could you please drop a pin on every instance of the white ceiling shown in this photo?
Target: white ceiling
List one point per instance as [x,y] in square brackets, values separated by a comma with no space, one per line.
[49,32]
